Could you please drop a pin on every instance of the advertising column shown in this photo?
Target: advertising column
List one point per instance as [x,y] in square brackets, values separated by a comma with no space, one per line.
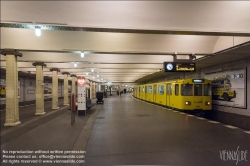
[81,96]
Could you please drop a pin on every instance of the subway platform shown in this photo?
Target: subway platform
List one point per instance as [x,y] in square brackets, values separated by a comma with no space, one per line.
[128,131]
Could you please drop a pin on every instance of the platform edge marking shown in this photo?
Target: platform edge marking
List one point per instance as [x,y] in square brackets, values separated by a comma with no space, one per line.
[248,132]
[200,118]
[215,122]
[231,127]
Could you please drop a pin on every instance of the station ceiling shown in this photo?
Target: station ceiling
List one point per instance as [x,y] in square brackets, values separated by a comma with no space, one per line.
[123,41]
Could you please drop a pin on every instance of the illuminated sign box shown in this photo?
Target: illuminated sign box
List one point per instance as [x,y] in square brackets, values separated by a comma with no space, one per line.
[198,80]
[178,67]
[81,81]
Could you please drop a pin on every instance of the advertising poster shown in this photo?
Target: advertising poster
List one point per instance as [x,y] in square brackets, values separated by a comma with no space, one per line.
[229,88]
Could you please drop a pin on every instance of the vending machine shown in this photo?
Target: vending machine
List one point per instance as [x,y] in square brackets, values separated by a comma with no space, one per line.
[81,96]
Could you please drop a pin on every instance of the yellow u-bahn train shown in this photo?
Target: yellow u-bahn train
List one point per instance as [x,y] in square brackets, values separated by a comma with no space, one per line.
[189,95]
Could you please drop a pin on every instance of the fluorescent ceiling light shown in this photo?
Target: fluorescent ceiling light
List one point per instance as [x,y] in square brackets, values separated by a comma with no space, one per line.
[38,32]
[82,54]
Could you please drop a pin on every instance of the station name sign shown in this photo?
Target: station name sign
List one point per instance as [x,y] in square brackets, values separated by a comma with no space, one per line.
[179,67]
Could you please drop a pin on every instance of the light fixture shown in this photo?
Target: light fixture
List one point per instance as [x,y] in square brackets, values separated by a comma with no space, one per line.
[92,70]
[75,64]
[97,75]
[93,77]
[82,54]
[38,32]
[98,80]
[87,73]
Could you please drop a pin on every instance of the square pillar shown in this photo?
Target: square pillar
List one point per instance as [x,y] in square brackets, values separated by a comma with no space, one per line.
[12,100]
[55,88]
[39,88]
[66,88]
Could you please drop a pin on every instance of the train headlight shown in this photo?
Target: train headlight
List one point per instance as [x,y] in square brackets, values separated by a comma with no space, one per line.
[208,103]
[188,103]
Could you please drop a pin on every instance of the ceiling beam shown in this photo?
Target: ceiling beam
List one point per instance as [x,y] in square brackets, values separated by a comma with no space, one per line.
[116,30]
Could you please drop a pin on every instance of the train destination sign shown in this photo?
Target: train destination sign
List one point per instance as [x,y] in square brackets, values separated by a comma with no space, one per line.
[179,67]
[198,80]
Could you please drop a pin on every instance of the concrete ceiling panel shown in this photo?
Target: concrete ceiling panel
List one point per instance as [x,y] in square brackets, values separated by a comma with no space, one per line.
[105,42]
[226,16]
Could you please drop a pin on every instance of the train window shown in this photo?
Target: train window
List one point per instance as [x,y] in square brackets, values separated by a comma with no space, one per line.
[176,89]
[207,90]
[149,89]
[143,90]
[169,89]
[187,89]
[161,89]
[198,89]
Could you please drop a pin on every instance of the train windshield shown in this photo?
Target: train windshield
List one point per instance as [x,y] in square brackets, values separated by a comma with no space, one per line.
[207,90]
[197,89]
[187,89]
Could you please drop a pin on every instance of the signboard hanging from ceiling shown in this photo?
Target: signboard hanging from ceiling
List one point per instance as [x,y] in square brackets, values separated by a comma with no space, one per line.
[179,66]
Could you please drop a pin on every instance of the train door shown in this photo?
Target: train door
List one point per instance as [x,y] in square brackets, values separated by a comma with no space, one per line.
[143,93]
[169,93]
[154,93]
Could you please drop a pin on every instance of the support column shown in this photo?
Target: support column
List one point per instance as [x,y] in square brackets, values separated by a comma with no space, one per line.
[39,88]
[55,88]
[66,88]
[73,87]
[12,101]
[94,90]
[91,91]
